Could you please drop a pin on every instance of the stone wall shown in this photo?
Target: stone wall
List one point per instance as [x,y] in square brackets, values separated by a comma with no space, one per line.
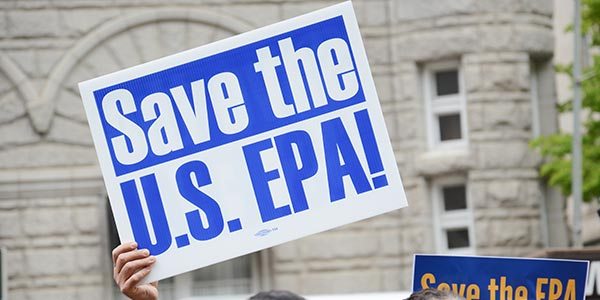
[51,223]
[52,202]
[495,44]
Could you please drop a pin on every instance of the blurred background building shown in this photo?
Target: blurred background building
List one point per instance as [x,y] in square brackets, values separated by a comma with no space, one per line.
[464,85]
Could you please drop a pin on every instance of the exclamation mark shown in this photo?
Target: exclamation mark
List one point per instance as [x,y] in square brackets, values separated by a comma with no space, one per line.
[367,136]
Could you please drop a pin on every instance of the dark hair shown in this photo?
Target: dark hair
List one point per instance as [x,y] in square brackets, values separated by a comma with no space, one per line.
[276,295]
[432,294]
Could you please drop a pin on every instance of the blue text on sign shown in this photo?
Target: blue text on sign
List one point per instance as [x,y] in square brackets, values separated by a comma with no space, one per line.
[217,100]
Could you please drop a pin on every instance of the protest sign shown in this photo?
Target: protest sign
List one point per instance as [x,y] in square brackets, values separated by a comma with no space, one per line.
[244,143]
[501,278]
[591,254]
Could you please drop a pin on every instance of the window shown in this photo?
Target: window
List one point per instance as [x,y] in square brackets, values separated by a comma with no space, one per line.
[449,127]
[455,197]
[453,219]
[233,277]
[457,238]
[445,105]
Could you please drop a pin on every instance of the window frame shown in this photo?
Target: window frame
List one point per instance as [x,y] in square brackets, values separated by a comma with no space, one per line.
[181,286]
[454,219]
[443,105]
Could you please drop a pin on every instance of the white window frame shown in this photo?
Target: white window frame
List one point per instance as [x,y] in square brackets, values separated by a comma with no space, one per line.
[182,285]
[443,105]
[443,220]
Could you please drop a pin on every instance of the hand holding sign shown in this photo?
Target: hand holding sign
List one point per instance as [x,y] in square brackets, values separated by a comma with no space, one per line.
[130,267]
[245,143]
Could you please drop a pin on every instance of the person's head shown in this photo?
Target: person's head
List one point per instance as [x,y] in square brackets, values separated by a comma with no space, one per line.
[276,295]
[433,294]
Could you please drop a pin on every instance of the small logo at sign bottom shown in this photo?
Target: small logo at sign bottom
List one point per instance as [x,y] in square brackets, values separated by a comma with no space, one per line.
[264,232]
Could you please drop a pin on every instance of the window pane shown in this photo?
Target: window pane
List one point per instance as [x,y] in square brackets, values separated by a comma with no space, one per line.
[228,277]
[457,238]
[446,82]
[455,197]
[450,127]
[166,289]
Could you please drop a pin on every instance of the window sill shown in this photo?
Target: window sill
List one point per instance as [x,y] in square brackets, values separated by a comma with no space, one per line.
[442,162]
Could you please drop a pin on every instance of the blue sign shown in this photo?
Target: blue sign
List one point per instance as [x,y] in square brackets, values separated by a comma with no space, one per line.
[499,278]
[247,90]
[245,143]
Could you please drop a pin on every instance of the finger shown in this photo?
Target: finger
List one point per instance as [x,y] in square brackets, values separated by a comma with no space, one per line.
[119,258]
[130,280]
[127,257]
[133,267]
[136,278]
[125,247]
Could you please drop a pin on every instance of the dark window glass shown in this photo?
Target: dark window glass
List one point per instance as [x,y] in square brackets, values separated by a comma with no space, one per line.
[446,82]
[455,197]
[450,127]
[458,238]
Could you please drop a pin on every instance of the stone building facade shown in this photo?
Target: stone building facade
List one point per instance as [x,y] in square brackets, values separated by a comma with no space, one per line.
[464,85]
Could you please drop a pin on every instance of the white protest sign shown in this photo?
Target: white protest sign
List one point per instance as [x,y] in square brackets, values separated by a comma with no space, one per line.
[244,143]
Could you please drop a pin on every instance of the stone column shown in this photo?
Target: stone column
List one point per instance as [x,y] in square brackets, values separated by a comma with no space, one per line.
[503,183]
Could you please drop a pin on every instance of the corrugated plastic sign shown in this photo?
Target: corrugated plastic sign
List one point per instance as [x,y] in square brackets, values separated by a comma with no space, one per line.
[244,143]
